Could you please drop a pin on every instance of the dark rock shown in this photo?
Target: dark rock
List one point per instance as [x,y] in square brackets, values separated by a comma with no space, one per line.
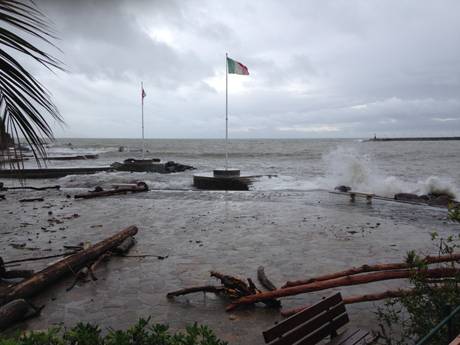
[430,199]
[97,189]
[411,197]
[440,200]
[177,167]
[343,188]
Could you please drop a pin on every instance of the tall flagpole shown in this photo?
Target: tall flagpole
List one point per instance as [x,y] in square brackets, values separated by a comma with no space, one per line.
[226,111]
[142,97]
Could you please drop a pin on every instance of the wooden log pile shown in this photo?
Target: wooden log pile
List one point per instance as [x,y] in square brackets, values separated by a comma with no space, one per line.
[231,287]
[242,293]
[13,299]
[99,192]
[359,275]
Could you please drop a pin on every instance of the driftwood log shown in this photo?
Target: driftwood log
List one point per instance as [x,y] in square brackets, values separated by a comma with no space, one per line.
[232,287]
[342,281]
[13,312]
[31,200]
[71,264]
[125,246]
[32,188]
[88,270]
[206,288]
[373,268]
[140,187]
[266,283]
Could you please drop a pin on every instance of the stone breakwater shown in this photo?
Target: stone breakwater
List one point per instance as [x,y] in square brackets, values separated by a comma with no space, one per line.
[416,139]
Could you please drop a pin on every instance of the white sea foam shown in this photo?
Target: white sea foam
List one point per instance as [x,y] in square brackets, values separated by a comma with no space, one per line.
[436,185]
[347,166]
[381,169]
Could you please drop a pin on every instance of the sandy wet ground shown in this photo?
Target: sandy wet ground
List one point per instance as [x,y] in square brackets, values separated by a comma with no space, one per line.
[293,234]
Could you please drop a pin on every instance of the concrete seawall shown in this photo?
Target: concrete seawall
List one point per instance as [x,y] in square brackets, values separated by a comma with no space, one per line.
[415,139]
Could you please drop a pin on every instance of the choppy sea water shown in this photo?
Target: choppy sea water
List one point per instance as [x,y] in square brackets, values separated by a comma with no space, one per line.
[384,168]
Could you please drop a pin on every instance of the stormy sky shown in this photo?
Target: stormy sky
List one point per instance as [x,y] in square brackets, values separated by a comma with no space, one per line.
[335,68]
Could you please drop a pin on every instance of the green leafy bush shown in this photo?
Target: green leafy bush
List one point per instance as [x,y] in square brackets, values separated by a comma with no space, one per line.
[142,333]
[453,212]
[406,319]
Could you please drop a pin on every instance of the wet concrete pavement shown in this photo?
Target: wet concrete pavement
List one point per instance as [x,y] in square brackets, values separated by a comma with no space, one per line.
[293,234]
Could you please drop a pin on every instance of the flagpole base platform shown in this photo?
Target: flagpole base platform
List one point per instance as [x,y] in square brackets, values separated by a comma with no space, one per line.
[226,173]
[222,179]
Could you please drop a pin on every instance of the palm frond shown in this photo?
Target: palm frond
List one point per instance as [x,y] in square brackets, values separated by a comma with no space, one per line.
[24,102]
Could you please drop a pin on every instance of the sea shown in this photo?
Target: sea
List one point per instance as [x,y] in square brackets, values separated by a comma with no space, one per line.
[383,168]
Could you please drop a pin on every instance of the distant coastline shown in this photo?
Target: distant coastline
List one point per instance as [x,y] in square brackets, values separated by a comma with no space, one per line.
[415,139]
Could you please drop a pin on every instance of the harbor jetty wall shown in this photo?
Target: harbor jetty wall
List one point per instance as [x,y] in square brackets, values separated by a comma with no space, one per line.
[415,139]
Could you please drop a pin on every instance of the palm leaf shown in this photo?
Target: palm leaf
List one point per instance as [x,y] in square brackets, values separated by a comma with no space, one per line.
[25,104]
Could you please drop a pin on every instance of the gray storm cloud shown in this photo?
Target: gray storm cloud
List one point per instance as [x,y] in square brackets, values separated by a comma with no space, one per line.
[318,68]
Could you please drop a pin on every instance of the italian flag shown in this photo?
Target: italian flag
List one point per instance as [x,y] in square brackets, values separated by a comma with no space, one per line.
[235,67]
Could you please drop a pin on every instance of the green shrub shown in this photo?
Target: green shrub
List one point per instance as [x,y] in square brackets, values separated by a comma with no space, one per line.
[406,319]
[453,212]
[142,333]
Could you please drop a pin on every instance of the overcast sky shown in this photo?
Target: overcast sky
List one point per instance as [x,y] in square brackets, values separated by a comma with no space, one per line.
[346,68]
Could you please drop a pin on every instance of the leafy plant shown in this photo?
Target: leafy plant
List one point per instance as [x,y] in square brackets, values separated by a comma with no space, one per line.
[453,212]
[406,319]
[23,100]
[141,333]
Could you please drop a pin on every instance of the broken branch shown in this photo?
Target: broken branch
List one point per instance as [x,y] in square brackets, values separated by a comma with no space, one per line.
[266,283]
[342,281]
[206,288]
[373,268]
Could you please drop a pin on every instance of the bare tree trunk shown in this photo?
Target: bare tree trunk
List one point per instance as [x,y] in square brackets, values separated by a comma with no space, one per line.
[342,281]
[71,264]
[372,268]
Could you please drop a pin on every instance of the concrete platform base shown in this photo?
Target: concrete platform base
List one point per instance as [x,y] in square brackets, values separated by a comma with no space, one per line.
[226,173]
[222,179]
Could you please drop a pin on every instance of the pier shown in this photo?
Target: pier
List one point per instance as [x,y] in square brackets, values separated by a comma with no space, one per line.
[415,139]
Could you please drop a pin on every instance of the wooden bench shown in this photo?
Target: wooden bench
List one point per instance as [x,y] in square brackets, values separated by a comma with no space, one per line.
[314,324]
[368,196]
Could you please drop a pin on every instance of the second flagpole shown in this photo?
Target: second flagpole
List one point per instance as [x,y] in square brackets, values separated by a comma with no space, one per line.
[226,111]
[142,98]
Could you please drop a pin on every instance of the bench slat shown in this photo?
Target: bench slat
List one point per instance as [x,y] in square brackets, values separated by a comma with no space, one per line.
[325,331]
[356,338]
[311,326]
[343,336]
[301,317]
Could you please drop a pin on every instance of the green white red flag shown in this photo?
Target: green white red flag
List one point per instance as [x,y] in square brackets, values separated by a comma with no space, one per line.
[235,67]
